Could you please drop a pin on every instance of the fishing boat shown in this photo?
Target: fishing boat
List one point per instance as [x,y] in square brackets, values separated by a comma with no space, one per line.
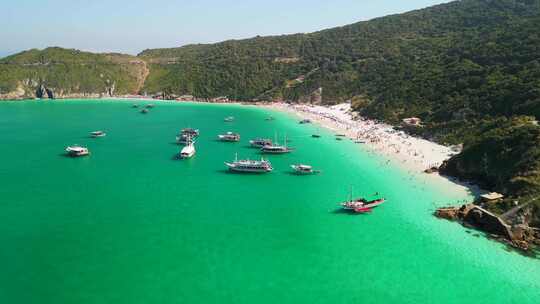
[305,121]
[150,106]
[304,169]
[361,205]
[316,136]
[229,119]
[260,142]
[229,137]
[135,106]
[77,151]
[97,134]
[276,148]
[145,111]
[250,166]
[189,150]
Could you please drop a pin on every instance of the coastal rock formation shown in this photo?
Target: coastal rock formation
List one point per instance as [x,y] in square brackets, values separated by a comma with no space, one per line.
[520,236]
[43,92]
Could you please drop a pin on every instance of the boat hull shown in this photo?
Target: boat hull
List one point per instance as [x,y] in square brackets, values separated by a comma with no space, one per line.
[236,169]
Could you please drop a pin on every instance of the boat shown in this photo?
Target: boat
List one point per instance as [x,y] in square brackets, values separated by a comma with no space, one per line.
[229,137]
[186,135]
[229,119]
[260,142]
[97,134]
[339,138]
[271,118]
[189,131]
[305,121]
[359,141]
[361,205]
[77,151]
[276,149]
[316,136]
[150,106]
[135,106]
[144,111]
[189,150]
[250,166]
[304,169]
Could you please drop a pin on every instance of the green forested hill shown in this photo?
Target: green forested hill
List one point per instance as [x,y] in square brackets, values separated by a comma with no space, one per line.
[65,72]
[465,59]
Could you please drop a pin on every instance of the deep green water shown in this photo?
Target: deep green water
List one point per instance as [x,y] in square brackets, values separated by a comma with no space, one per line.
[130,224]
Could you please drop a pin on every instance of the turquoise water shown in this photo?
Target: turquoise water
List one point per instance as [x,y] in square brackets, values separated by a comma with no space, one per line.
[130,224]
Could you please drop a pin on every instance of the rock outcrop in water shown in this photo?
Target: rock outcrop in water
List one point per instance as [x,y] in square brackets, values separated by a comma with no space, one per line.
[520,236]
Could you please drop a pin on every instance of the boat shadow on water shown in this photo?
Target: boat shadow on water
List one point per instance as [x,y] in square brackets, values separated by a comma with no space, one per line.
[348,212]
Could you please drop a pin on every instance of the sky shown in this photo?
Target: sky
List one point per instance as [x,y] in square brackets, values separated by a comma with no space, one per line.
[130,26]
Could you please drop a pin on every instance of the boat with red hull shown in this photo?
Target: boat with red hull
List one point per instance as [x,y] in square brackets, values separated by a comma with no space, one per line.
[362,205]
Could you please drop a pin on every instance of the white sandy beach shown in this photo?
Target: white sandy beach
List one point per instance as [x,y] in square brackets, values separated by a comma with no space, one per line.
[417,153]
[412,153]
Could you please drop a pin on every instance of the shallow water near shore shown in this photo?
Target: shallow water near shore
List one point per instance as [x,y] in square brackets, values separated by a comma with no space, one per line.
[131,224]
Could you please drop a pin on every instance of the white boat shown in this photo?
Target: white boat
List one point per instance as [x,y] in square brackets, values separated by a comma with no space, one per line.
[230,137]
[276,148]
[186,135]
[77,151]
[229,119]
[96,134]
[260,142]
[304,169]
[250,166]
[189,150]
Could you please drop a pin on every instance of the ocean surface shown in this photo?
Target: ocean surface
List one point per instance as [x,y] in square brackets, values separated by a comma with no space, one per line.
[132,224]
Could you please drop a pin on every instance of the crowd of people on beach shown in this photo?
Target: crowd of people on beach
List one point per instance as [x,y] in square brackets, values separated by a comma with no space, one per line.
[379,137]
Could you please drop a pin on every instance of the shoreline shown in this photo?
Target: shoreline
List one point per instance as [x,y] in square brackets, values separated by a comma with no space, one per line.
[414,155]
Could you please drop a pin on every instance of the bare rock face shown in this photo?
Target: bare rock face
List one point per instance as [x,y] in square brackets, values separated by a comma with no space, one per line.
[43,92]
[519,236]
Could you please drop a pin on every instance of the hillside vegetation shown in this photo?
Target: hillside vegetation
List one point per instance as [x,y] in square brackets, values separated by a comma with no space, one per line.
[68,72]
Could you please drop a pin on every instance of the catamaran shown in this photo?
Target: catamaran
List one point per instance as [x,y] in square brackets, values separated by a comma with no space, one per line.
[260,142]
[230,137]
[189,150]
[304,169]
[77,151]
[361,205]
[96,134]
[250,166]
